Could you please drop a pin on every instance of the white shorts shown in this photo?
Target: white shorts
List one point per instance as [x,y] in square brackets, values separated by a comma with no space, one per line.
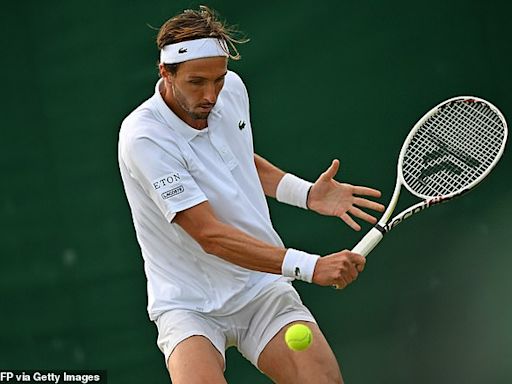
[249,329]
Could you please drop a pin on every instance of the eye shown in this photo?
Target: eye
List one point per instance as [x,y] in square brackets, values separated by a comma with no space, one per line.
[196,81]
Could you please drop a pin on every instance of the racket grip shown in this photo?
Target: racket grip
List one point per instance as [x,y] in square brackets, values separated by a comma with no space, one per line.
[368,242]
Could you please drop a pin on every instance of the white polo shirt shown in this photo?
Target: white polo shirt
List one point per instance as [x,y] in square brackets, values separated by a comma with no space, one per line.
[168,166]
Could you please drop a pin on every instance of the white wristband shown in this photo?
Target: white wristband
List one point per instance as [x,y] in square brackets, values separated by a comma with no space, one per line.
[293,190]
[299,265]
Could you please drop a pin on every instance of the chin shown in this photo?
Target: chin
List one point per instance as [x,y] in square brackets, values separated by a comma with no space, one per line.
[199,116]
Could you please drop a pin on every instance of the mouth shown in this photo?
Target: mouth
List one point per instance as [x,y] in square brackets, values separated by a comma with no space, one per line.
[206,107]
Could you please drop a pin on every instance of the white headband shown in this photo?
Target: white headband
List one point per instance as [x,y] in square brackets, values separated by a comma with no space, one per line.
[193,49]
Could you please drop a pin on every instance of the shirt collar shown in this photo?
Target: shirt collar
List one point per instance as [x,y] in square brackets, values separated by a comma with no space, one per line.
[175,122]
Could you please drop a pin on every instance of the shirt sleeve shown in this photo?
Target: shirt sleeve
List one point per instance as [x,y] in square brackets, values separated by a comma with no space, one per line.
[164,175]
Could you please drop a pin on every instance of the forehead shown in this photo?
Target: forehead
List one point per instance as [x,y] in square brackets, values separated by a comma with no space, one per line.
[206,67]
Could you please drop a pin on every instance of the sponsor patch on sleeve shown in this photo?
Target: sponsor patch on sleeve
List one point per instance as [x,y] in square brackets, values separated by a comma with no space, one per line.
[169,185]
[172,192]
[169,181]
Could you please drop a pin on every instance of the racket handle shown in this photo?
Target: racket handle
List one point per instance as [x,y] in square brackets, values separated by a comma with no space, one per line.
[368,242]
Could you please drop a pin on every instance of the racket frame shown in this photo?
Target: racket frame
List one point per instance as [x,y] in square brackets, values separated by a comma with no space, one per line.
[384,225]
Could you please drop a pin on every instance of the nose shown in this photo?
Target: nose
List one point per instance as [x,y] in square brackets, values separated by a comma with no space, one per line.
[210,94]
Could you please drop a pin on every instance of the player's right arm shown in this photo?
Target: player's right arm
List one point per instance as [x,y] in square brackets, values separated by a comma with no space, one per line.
[159,171]
[238,247]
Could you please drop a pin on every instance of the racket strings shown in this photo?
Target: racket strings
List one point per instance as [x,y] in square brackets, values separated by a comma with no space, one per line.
[471,121]
[453,148]
[464,150]
[478,154]
[450,143]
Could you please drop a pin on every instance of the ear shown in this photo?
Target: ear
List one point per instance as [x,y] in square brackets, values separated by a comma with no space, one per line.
[161,70]
[164,73]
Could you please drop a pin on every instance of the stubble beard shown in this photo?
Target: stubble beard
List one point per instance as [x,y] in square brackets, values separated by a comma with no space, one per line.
[183,105]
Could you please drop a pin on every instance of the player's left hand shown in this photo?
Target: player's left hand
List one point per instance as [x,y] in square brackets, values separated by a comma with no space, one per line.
[331,198]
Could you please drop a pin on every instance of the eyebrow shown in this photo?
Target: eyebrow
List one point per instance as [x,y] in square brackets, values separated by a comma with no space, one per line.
[202,77]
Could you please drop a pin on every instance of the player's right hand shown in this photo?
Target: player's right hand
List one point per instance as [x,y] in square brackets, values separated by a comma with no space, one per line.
[338,269]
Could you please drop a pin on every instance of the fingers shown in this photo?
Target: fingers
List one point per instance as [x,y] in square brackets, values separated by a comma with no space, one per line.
[359,213]
[338,269]
[350,268]
[362,215]
[356,258]
[368,204]
[365,191]
[350,222]
[352,271]
[332,170]
[357,261]
[340,283]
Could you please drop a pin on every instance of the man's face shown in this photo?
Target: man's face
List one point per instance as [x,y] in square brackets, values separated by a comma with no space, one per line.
[196,86]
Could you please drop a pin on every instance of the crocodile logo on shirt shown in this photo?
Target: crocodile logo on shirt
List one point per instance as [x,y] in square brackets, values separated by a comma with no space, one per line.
[241,124]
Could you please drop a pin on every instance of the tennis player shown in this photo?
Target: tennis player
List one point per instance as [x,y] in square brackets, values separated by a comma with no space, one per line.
[218,274]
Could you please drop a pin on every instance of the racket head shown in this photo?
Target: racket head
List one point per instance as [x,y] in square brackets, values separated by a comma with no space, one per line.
[452,148]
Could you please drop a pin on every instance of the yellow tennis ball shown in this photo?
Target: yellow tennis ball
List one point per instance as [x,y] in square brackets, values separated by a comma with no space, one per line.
[298,337]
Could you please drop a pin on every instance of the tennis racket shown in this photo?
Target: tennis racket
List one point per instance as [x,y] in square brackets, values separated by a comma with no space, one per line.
[449,151]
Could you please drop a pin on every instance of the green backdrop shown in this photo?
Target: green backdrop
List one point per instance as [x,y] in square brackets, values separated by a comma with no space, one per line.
[327,79]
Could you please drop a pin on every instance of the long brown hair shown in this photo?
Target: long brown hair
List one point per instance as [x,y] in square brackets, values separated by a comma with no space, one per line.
[198,24]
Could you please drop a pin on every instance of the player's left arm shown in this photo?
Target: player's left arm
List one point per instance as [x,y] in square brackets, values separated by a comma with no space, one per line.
[269,175]
[326,196]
